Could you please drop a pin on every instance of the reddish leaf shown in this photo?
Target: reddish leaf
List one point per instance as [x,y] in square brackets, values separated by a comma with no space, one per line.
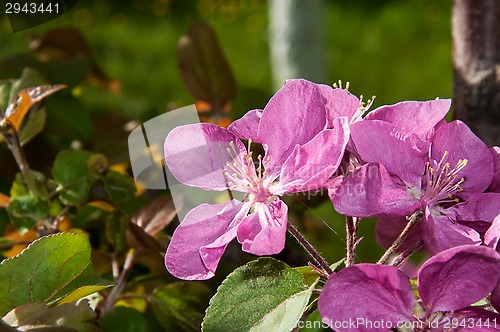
[204,68]
[69,43]
[156,216]
[17,110]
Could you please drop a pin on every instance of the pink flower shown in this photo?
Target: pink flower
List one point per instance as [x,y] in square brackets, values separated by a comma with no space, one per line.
[380,297]
[301,155]
[444,178]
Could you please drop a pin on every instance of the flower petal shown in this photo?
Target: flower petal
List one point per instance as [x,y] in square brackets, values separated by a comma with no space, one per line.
[264,231]
[461,143]
[339,103]
[294,115]
[202,226]
[369,293]
[479,210]
[495,184]
[371,191]
[402,153]
[441,233]
[458,277]
[492,235]
[417,117]
[388,229]
[471,319]
[495,297]
[247,126]
[196,154]
[313,163]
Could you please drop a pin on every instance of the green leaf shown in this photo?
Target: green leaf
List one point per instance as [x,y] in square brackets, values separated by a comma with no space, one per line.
[49,269]
[180,306]
[82,292]
[33,126]
[19,187]
[263,295]
[77,316]
[116,231]
[26,211]
[124,319]
[71,171]
[120,188]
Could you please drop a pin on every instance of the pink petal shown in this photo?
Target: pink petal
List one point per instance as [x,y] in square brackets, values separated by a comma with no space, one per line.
[461,143]
[247,126]
[339,103]
[264,231]
[417,117]
[458,277]
[371,191]
[366,292]
[492,235]
[294,115]
[478,210]
[441,233]
[495,297]
[313,163]
[388,229]
[495,184]
[402,153]
[471,319]
[206,226]
[197,154]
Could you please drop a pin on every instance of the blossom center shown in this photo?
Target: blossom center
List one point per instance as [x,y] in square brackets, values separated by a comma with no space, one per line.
[243,176]
[442,181]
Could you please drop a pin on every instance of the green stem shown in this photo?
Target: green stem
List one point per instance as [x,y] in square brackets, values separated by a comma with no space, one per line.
[351,234]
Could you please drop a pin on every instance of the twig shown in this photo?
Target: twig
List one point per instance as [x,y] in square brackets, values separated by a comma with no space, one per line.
[412,220]
[309,248]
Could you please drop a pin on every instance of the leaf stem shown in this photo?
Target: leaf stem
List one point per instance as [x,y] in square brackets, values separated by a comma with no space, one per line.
[18,153]
[316,256]
[351,234]
[121,283]
[399,260]
[412,220]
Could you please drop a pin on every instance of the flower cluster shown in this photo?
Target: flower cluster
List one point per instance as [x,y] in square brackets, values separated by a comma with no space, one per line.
[431,184]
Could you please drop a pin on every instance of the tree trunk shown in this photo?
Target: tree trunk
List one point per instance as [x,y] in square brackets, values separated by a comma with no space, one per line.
[476,62]
[296,40]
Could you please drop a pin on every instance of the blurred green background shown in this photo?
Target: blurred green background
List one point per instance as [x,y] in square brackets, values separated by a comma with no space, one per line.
[396,50]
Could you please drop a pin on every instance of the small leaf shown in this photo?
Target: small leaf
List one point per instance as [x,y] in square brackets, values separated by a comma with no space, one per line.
[287,314]
[180,306]
[256,297]
[26,211]
[49,269]
[29,78]
[82,292]
[77,316]
[26,98]
[4,200]
[204,68]
[157,215]
[71,171]
[119,187]
[19,187]
[34,125]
